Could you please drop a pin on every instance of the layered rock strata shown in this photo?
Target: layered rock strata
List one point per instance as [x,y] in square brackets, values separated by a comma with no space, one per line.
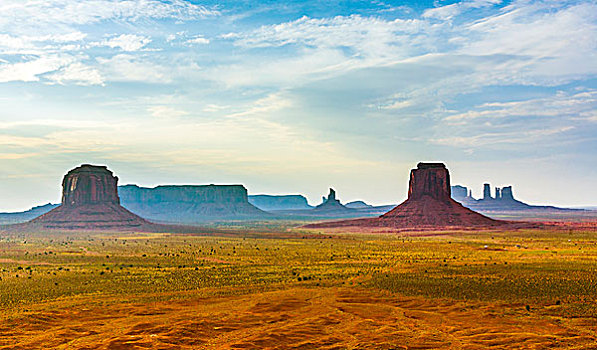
[89,201]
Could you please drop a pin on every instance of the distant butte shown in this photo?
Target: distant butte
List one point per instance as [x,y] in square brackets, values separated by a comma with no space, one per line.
[90,201]
[331,204]
[429,206]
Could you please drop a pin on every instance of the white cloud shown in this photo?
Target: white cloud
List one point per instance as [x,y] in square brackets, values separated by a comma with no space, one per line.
[554,120]
[263,106]
[311,64]
[60,38]
[75,12]
[40,44]
[31,70]
[166,112]
[54,123]
[212,107]
[559,105]
[543,42]
[554,39]
[126,67]
[443,12]
[495,138]
[366,35]
[78,74]
[126,42]
[199,39]
[450,11]
[398,104]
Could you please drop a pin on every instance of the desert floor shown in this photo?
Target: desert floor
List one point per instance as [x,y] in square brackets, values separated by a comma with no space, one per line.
[298,289]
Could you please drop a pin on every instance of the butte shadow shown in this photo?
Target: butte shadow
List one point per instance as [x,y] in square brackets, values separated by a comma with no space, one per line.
[429,207]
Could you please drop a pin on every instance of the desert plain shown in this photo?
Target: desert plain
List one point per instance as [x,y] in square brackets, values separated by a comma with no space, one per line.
[276,285]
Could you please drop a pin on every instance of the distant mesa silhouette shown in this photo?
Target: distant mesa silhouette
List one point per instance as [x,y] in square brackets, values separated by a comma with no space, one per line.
[190,204]
[24,216]
[429,206]
[279,202]
[503,201]
[358,205]
[90,201]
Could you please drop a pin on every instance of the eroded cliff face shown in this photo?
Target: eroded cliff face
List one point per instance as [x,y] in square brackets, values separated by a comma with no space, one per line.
[429,179]
[89,202]
[184,194]
[89,184]
[189,203]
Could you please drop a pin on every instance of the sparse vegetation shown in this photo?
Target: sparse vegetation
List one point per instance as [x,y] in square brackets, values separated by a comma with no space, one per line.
[545,274]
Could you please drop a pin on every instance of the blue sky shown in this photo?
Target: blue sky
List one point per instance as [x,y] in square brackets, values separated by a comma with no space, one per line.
[297,96]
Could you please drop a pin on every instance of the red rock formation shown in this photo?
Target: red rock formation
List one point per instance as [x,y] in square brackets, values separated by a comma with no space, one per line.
[90,201]
[89,184]
[429,206]
[429,179]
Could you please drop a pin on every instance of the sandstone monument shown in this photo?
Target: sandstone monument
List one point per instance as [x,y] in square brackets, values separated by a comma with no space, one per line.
[430,203]
[429,206]
[89,201]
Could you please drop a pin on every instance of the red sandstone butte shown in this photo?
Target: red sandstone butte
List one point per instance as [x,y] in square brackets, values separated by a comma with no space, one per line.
[90,201]
[429,206]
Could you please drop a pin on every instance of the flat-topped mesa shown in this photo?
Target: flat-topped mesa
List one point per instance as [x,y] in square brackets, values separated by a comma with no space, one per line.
[189,204]
[89,184]
[429,179]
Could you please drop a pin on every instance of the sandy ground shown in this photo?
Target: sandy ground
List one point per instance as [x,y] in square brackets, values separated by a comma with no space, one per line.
[296,318]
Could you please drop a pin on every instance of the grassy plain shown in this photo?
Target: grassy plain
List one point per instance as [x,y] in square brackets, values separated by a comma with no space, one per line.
[272,287]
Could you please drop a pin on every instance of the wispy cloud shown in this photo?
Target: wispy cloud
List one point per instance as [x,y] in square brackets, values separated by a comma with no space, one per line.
[166,112]
[516,137]
[125,42]
[327,86]
[198,39]
[73,12]
[32,69]
[127,67]
[561,104]
[448,12]
[78,74]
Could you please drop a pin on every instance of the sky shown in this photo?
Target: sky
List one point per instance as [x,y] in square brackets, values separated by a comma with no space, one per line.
[290,97]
